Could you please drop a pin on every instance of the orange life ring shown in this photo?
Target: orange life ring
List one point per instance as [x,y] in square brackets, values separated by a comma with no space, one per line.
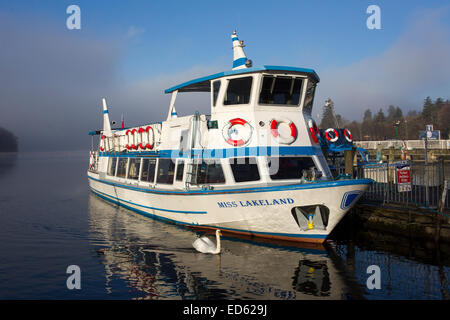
[133,145]
[327,135]
[102,142]
[313,130]
[150,145]
[274,130]
[140,145]
[348,135]
[232,123]
[128,138]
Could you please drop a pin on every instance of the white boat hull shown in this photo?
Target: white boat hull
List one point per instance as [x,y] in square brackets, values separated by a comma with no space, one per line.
[261,212]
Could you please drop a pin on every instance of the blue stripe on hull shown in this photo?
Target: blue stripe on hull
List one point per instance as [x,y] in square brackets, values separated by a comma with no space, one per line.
[154,208]
[287,236]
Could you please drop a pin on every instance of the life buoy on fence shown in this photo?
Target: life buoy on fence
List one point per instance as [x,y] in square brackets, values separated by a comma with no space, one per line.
[285,140]
[348,135]
[331,135]
[227,132]
[313,130]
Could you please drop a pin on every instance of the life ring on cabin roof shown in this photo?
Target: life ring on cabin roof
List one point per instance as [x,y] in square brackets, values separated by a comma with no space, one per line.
[285,140]
[348,135]
[227,132]
[313,130]
[329,133]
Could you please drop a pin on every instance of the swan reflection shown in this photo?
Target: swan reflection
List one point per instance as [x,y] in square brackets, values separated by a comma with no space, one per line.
[156,260]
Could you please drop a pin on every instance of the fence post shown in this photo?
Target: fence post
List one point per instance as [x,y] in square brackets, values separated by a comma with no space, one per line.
[426,176]
[440,209]
[349,156]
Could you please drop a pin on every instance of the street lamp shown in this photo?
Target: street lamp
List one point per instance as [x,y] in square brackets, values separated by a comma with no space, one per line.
[396,124]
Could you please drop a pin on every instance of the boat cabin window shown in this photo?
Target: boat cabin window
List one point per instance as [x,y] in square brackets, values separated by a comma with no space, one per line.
[280,90]
[210,172]
[180,170]
[238,91]
[166,171]
[289,167]
[244,169]
[309,98]
[148,170]
[112,166]
[216,88]
[133,168]
[122,167]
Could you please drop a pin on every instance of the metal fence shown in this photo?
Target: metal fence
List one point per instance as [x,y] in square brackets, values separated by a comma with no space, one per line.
[425,188]
[408,144]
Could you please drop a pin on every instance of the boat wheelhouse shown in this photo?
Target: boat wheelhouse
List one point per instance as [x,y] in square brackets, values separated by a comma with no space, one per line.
[253,166]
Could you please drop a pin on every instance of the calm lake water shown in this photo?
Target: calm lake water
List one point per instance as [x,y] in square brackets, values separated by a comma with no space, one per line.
[49,220]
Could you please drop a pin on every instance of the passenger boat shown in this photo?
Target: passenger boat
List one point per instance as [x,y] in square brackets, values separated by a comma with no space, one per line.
[254,166]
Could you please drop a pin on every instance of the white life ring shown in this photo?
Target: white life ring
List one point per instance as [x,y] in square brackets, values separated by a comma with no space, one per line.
[348,135]
[327,135]
[145,138]
[313,130]
[226,132]
[285,140]
[141,144]
[134,145]
[102,143]
[128,146]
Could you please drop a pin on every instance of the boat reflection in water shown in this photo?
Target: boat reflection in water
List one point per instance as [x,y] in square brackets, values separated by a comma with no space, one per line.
[155,260]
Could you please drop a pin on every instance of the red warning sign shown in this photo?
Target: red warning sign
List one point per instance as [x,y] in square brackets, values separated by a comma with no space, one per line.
[404,179]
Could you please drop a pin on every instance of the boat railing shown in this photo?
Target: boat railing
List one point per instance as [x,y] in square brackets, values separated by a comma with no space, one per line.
[93,161]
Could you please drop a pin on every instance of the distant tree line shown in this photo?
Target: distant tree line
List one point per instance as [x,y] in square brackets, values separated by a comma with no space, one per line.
[393,124]
[8,141]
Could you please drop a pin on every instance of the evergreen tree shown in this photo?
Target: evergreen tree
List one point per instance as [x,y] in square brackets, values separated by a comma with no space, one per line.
[328,118]
[398,115]
[429,110]
[391,113]
[380,117]
[339,121]
[367,116]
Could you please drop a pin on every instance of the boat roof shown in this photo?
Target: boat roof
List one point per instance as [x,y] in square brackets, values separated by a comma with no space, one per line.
[202,84]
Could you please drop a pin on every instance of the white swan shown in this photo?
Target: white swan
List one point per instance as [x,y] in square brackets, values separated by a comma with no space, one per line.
[204,245]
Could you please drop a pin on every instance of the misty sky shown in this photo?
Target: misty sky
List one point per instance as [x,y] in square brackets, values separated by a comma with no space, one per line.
[52,79]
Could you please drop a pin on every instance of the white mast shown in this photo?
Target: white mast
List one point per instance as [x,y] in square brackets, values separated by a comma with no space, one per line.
[106,123]
[172,111]
[240,60]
